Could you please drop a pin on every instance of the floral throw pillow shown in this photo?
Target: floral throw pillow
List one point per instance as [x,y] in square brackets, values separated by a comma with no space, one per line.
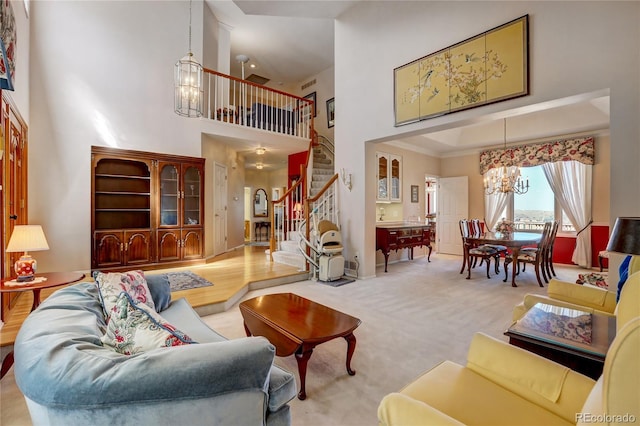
[595,279]
[134,328]
[110,285]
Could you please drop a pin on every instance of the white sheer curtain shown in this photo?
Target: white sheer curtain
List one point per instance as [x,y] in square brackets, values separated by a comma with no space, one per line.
[494,205]
[571,185]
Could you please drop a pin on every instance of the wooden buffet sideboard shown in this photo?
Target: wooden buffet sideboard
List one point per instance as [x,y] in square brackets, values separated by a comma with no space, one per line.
[402,235]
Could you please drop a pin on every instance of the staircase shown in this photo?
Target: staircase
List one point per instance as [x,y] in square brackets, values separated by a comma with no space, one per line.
[289,253]
[322,171]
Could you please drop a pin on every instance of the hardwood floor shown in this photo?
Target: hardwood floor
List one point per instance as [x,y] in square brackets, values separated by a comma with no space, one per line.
[232,274]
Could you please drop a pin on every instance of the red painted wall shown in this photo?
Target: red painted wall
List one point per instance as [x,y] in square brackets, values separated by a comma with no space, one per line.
[563,249]
[295,161]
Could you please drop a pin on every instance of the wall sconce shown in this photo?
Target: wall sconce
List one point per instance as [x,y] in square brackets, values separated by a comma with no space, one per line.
[346,179]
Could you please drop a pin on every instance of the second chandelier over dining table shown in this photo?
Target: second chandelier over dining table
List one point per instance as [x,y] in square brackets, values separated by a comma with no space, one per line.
[505,179]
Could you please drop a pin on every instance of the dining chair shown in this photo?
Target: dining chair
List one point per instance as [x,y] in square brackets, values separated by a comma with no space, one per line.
[473,252]
[549,256]
[534,255]
[502,250]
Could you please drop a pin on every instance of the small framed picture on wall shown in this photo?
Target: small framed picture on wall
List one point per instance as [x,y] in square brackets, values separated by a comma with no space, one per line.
[414,193]
[330,112]
[312,97]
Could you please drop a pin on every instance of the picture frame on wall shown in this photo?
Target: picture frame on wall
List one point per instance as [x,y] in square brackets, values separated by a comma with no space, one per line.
[330,112]
[312,97]
[487,68]
[415,193]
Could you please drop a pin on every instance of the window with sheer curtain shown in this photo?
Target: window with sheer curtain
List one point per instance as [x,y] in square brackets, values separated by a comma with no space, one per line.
[567,170]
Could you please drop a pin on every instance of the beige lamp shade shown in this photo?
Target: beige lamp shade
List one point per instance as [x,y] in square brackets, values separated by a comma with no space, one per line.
[27,238]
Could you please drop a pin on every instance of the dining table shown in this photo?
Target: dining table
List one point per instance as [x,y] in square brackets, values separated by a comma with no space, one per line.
[514,241]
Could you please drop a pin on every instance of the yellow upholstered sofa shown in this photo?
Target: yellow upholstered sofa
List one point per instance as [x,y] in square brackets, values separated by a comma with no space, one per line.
[505,385]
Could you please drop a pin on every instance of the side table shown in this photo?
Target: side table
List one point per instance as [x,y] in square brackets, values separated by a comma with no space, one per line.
[585,358]
[53,279]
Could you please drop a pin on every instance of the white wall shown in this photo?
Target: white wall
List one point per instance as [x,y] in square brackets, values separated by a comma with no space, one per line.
[325,89]
[575,48]
[101,74]
[214,152]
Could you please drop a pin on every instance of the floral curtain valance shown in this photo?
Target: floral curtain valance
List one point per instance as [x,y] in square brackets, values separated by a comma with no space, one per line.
[581,150]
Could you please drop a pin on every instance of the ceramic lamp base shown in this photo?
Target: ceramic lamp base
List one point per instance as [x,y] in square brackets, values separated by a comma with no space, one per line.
[25,268]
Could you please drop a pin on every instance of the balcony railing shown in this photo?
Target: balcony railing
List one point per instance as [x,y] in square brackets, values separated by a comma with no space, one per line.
[231,100]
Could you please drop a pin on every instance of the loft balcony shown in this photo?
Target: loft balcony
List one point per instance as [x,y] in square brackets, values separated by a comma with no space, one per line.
[245,107]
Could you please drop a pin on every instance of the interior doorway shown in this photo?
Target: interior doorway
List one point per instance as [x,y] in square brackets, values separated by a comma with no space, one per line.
[219,209]
[431,206]
[247,215]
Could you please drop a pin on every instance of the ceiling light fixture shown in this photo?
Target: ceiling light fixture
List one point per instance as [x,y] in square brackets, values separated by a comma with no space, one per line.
[189,93]
[260,151]
[259,165]
[500,180]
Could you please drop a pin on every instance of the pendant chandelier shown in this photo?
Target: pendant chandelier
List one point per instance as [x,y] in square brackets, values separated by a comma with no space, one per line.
[505,179]
[189,93]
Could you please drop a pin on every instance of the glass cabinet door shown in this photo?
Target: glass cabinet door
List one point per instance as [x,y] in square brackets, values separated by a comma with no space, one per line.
[169,195]
[383,167]
[395,178]
[192,181]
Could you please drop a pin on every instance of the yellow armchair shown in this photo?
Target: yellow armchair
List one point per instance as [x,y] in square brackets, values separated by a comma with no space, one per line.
[506,385]
[581,297]
[500,385]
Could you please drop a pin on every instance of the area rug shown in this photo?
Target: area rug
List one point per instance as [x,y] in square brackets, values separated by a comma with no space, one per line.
[338,282]
[186,280]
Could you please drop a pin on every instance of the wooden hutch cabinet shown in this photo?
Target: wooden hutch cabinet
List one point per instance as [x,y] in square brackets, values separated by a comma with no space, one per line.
[148,209]
[180,227]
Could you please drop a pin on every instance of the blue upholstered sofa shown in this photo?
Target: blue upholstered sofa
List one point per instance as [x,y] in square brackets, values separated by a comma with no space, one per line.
[68,377]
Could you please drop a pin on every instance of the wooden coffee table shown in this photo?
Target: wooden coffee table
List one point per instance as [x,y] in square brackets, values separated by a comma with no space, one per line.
[294,324]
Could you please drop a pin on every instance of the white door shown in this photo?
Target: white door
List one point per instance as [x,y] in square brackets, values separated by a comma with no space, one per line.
[219,209]
[453,205]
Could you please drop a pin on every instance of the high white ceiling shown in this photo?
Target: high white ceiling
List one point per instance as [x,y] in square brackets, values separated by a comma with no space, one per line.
[290,41]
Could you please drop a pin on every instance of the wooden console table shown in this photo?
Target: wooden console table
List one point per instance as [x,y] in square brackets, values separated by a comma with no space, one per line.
[404,235]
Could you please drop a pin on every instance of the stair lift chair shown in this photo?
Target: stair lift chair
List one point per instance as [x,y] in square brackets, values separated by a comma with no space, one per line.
[329,249]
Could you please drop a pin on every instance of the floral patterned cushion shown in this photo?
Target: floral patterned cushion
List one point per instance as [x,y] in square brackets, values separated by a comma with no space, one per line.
[110,285]
[527,256]
[483,250]
[593,278]
[134,328]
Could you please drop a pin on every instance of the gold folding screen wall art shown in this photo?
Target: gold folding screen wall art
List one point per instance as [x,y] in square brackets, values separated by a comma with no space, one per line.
[487,68]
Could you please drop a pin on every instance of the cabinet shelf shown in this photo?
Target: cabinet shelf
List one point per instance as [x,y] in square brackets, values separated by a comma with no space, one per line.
[123,210]
[141,194]
[102,175]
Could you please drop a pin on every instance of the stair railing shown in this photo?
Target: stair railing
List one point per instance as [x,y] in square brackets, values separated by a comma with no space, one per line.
[322,206]
[287,215]
[325,143]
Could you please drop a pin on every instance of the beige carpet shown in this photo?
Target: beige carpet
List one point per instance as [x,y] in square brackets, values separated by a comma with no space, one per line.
[413,317]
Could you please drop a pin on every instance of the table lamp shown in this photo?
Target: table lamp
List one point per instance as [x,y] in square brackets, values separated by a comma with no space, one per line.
[26,238]
[625,239]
